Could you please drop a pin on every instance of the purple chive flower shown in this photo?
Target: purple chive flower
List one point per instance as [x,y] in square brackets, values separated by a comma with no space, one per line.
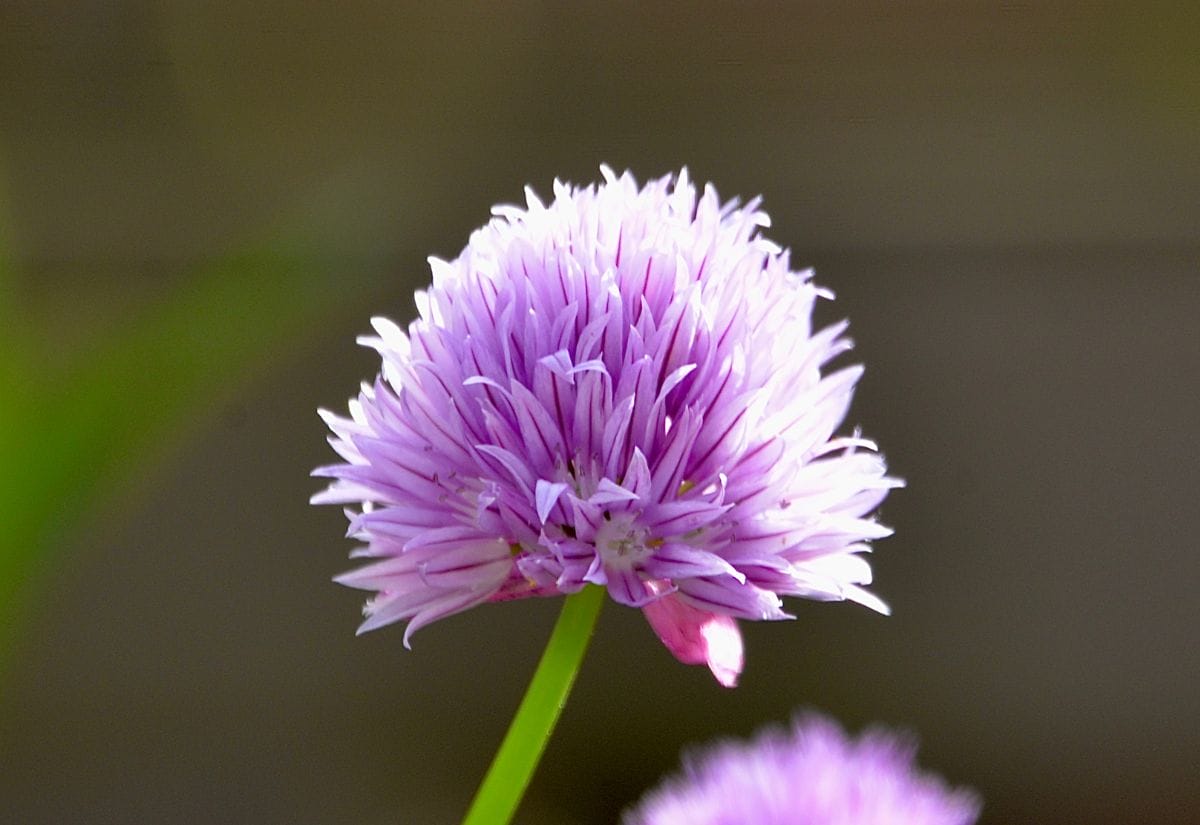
[621,388]
[809,775]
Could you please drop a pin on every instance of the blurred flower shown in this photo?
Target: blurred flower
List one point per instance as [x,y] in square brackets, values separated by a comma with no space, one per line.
[810,775]
[621,388]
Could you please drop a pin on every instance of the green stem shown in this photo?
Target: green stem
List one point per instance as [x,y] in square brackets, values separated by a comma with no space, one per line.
[505,783]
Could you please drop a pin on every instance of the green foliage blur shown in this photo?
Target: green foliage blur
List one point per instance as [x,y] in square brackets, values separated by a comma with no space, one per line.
[72,435]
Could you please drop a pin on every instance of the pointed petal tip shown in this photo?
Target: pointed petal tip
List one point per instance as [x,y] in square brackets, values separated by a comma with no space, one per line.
[727,679]
[724,654]
[868,599]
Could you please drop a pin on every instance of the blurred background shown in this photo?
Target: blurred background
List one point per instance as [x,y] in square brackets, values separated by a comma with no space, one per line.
[201,206]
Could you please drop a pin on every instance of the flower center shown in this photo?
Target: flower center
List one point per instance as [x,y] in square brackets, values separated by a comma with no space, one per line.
[621,543]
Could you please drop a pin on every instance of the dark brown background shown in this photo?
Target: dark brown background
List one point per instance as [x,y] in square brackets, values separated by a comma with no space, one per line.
[1004,197]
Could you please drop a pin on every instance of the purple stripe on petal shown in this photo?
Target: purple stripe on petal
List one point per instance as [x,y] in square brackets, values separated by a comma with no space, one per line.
[626,587]
[637,475]
[677,518]
[616,433]
[669,468]
[680,561]
[730,597]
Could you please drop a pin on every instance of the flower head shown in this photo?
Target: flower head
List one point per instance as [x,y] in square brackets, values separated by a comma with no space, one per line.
[621,388]
[809,775]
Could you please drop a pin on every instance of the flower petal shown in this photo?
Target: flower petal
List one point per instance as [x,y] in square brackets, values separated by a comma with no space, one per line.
[696,637]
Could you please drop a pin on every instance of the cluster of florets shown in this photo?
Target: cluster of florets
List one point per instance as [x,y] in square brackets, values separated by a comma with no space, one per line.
[811,774]
[621,388]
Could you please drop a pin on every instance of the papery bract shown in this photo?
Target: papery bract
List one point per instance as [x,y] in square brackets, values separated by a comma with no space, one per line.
[621,388]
